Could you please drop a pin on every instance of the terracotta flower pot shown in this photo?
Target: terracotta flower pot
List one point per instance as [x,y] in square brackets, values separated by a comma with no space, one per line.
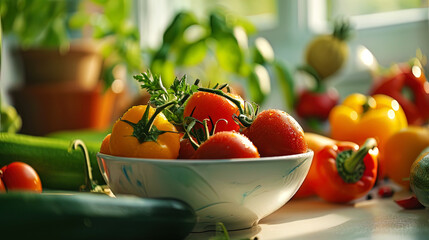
[56,107]
[81,65]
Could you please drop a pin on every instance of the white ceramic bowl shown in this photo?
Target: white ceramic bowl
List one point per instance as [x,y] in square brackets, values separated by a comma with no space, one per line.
[236,192]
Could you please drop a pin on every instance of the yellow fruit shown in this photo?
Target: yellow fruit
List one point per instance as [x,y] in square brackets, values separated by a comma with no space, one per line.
[327,53]
[401,150]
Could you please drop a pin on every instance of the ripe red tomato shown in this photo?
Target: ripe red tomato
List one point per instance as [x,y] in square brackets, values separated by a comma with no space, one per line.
[21,176]
[316,104]
[207,105]
[186,150]
[276,133]
[226,145]
[2,187]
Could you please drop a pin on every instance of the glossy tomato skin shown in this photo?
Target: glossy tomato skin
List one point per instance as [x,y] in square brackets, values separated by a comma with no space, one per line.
[2,187]
[276,133]
[19,176]
[226,145]
[316,104]
[207,105]
[186,150]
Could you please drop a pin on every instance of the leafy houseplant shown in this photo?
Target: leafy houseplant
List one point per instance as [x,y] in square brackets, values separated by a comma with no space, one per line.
[109,23]
[62,72]
[218,50]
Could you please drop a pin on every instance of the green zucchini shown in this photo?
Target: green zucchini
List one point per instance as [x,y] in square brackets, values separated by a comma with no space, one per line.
[92,216]
[58,165]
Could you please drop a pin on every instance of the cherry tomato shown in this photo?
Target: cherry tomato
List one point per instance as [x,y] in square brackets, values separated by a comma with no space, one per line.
[205,105]
[2,187]
[276,133]
[186,150]
[21,176]
[316,104]
[226,145]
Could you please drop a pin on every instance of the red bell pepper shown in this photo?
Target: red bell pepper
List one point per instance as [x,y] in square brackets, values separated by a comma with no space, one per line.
[410,88]
[345,174]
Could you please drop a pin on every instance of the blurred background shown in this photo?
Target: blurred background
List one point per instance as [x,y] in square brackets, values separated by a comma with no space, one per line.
[69,65]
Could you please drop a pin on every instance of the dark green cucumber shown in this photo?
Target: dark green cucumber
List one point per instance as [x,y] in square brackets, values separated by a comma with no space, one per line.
[92,216]
[58,165]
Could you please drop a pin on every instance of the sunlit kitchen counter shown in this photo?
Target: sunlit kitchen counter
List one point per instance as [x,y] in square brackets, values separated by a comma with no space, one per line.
[314,219]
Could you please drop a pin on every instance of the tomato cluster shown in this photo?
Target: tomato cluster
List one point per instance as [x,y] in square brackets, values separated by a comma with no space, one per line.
[221,128]
[19,176]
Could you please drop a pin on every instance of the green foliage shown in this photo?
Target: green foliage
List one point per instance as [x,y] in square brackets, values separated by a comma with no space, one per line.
[113,25]
[178,92]
[35,22]
[218,50]
[50,23]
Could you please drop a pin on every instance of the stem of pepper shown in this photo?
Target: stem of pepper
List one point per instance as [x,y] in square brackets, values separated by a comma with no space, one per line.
[350,165]
[351,162]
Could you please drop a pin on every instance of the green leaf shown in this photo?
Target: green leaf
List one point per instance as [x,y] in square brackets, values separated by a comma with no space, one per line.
[218,25]
[180,23]
[259,84]
[286,83]
[229,54]
[164,69]
[192,54]
[248,26]
[101,2]
[132,55]
[263,51]
[78,20]
[178,92]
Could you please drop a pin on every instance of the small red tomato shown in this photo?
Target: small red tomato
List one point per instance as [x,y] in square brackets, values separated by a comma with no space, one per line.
[226,145]
[385,192]
[316,104]
[2,187]
[21,176]
[186,150]
[205,105]
[276,133]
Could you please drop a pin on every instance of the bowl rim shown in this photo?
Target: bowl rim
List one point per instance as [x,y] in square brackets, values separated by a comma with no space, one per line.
[307,154]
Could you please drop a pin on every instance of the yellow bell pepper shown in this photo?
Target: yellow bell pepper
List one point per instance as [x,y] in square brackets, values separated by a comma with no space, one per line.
[360,117]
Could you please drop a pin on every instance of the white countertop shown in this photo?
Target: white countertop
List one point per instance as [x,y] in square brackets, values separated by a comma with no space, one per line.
[315,219]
